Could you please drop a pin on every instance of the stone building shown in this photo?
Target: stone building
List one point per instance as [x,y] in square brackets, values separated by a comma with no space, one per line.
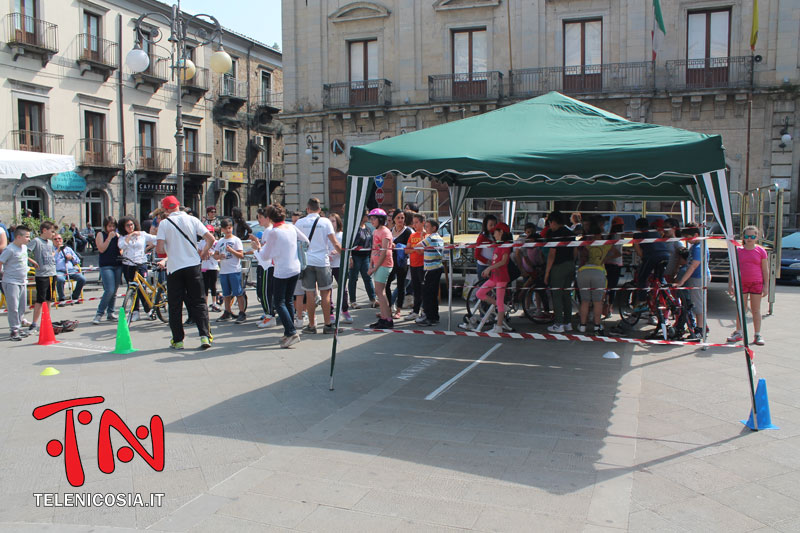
[65,89]
[356,72]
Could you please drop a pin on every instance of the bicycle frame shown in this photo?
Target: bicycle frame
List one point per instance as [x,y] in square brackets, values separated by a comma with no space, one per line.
[143,287]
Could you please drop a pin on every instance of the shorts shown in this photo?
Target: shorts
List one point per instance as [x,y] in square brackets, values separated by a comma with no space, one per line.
[753,287]
[696,294]
[231,284]
[314,276]
[44,286]
[382,274]
[592,278]
[298,288]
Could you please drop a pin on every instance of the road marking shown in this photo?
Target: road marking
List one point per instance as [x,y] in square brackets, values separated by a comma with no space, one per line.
[81,346]
[413,370]
[452,381]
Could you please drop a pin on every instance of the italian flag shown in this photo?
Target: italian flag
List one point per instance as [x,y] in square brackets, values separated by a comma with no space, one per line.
[659,32]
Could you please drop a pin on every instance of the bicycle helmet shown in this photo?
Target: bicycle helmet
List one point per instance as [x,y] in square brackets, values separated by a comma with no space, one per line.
[377,212]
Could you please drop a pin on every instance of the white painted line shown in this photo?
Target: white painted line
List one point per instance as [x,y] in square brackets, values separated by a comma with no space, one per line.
[452,381]
[67,347]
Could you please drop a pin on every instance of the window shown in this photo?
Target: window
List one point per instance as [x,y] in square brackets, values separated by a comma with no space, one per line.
[191,161]
[470,63]
[707,47]
[95,208]
[229,153]
[24,24]
[147,144]
[33,199]
[583,55]
[31,126]
[266,84]
[363,60]
[94,125]
[91,42]
[147,47]
[229,80]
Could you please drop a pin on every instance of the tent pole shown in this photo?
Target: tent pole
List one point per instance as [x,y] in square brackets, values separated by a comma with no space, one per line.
[343,268]
[450,277]
[704,276]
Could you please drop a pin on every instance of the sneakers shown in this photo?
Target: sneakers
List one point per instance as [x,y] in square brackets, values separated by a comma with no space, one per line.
[288,342]
[215,307]
[496,329]
[353,305]
[205,342]
[397,315]
[567,327]
[224,317]
[470,323]
[556,328]
[412,316]
[309,329]
[346,318]
[15,336]
[737,337]
[26,324]
[266,322]
[759,340]
[241,318]
[97,319]
[421,318]
[599,331]
[374,303]
[298,322]
[382,323]
[328,328]
[425,322]
[581,328]
[189,321]
[507,327]
[135,316]
[176,345]
[113,316]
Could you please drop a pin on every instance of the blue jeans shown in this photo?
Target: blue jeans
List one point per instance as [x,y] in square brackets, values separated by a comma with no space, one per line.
[109,276]
[77,277]
[360,266]
[284,303]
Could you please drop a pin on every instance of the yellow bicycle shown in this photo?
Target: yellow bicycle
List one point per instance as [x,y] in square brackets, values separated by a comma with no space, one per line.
[152,296]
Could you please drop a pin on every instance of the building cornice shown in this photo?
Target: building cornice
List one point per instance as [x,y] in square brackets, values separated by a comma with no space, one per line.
[359,11]
[29,86]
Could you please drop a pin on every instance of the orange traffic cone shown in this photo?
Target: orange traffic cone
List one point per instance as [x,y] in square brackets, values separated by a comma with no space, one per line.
[46,334]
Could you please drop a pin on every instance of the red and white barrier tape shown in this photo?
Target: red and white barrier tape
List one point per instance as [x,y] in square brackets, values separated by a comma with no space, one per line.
[590,289]
[545,336]
[65,302]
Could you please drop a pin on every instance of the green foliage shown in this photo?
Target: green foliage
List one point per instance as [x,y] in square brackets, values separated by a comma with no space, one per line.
[35,223]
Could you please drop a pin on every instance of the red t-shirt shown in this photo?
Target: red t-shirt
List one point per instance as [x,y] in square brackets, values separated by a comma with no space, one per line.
[500,274]
[750,263]
[416,259]
[483,255]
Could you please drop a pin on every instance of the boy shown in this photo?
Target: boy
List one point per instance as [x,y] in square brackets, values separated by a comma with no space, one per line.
[417,262]
[693,277]
[15,260]
[44,253]
[432,258]
[229,252]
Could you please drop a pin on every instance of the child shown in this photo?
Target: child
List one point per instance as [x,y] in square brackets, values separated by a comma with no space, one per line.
[497,274]
[229,252]
[15,260]
[45,255]
[417,262]
[592,276]
[381,264]
[432,255]
[693,277]
[754,275]
[210,269]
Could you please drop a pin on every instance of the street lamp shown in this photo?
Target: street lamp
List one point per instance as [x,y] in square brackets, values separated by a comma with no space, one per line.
[138,61]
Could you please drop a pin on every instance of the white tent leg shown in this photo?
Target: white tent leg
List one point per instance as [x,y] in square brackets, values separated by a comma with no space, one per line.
[704,276]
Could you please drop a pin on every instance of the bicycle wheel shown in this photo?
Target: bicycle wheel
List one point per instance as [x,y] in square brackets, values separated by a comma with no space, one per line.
[160,306]
[535,306]
[129,302]
[626,303]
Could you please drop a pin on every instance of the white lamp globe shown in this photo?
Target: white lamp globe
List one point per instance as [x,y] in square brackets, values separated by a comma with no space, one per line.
[220,61]
[137,60]
[786,138]
[187,69]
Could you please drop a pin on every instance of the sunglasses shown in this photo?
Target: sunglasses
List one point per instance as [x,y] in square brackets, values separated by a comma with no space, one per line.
[750,236]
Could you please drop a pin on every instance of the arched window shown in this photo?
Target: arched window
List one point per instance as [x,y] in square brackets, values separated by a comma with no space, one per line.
[35,200]
[95,209]
[231,200]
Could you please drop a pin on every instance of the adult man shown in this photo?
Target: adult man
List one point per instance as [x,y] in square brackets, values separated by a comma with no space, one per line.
[177,238]
[560,273]
[319,231]
[67,262]
[671,230]
[651,254]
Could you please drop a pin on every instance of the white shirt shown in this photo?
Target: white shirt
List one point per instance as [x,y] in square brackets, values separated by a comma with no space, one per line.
[133,246]
[317,255]
[229,264]
[280,247]
[210,263]
[263,264]
[334,256]
[180,252]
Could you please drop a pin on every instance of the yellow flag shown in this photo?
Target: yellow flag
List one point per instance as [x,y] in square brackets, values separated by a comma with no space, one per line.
[754,28]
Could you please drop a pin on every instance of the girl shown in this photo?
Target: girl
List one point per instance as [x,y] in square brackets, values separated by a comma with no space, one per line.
[754,274]
[210,269]
[400,235]
[133,243]
[592,275]
[381,264]
[240,228]
[110,268]
[338,228]
[497,272]
[484,255]
[613,264]
[359,264]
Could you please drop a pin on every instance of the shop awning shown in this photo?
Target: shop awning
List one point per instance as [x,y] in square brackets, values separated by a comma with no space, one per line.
[16,163]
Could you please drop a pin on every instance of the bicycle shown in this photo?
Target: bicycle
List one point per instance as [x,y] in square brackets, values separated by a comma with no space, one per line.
[153,296]
[663,302]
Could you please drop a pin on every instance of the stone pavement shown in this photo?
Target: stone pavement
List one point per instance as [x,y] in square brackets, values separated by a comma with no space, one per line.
[541,436]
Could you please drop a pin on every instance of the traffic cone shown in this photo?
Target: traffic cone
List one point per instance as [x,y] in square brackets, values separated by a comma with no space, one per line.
[610,355]
[49,371]
[46,334]
[762,406]
[124,344]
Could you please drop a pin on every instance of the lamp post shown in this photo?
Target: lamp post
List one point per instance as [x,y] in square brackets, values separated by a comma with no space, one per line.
[138,61]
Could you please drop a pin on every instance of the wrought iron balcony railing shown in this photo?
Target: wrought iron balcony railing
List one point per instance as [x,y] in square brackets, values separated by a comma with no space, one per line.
[196,164]
[99,153]
[37,141]
[32,33]
[710,73]
[357,94]
[157,70]
[474,86]
[232,88]
[198,82]
[272,99]
[583,79]
[267,171]
[151,159]
[98,51]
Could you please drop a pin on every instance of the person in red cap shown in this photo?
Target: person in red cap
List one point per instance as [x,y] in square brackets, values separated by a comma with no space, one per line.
[177,237]
[497,274]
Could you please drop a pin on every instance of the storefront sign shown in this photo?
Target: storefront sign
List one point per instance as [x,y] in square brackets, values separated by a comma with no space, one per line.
[169,188]
[233,176]
[68,181]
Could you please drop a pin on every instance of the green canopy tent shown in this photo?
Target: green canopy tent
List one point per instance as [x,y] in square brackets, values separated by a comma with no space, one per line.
[550,147]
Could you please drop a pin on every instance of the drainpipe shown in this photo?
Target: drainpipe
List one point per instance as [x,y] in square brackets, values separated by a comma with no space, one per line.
[247,144]
[121,118]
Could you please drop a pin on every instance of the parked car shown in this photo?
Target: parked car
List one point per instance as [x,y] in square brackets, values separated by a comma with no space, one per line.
[790,257]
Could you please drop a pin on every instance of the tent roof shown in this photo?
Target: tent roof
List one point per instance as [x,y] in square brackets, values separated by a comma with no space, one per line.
[552,146]
[15,163]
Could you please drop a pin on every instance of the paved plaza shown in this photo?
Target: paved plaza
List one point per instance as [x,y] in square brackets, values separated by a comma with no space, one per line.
[540,436]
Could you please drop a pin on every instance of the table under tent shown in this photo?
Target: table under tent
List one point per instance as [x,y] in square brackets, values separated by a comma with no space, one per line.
[551,148]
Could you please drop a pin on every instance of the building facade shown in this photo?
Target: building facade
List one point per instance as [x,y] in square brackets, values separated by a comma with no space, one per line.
[65,89]
[356,72]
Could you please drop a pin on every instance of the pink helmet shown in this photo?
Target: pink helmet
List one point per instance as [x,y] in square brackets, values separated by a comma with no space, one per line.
[377,212]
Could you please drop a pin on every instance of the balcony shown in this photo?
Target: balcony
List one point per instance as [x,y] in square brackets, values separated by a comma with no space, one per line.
[97,55]
[100,154]
[475,86]
[231,96]
[262,170]
[710,73]
[579,80]
[155,160]
[196,164]
[367,93]
[34,36]
[37,141]
[271,101]
[198,85]
[156,75]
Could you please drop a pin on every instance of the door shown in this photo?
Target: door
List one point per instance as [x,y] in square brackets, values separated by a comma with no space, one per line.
[708,48]
[230,201]
[91,27]
[95,208]
[94,145]
[191,161]
[266,88]
[337,188]
[32,199]
[363,73]
[470,53]
[31,126]
[583,56]
[25,22]
[147,144]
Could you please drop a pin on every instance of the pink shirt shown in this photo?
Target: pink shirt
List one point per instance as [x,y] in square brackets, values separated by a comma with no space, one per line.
[378,236]
[750,263]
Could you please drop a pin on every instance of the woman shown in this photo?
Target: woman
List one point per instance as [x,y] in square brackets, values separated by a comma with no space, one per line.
[240,227]
[754,274]
[400,235]
[592,277]
[338,228]
[613,265]
[484,256]
[381,263]
[110,268]
[497,274]
[280,247]
[133,243]
[359,263]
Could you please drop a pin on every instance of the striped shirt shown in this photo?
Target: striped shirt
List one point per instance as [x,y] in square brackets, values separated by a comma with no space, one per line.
[434,246]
